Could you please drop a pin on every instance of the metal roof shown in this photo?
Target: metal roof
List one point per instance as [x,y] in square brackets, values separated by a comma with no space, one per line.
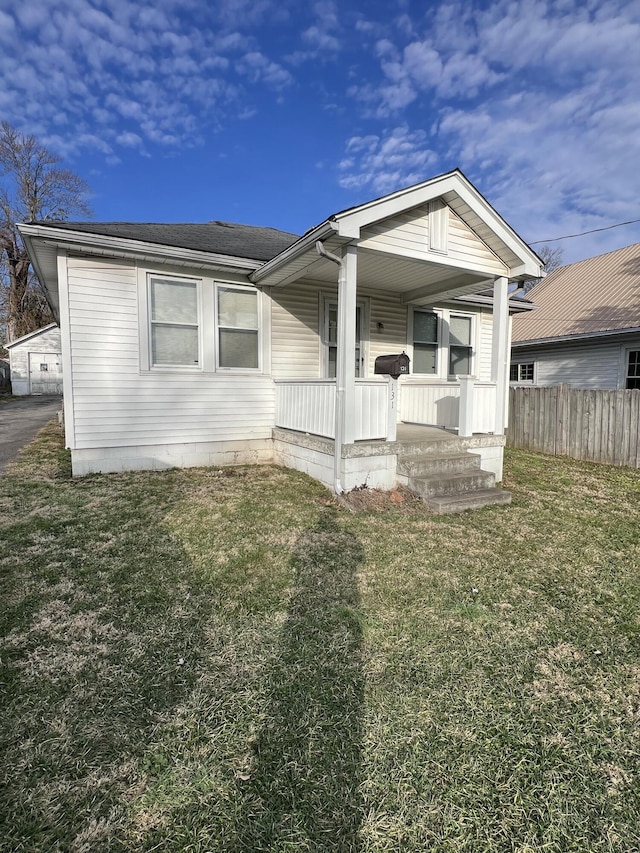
[600,294]
[223,238]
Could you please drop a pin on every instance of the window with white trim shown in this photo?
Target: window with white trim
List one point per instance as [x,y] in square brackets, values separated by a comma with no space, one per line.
[460,344]
[426,340]
[174,323]
[237,328]
[633,370]
[521,372]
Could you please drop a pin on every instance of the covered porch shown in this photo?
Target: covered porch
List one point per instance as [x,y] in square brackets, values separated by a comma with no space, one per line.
[433,245]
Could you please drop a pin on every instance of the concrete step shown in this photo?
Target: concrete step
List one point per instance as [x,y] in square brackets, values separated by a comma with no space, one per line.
[434,485]
[469,500]
[445,463]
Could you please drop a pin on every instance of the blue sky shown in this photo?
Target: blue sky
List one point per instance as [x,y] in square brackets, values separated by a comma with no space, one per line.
[278,112]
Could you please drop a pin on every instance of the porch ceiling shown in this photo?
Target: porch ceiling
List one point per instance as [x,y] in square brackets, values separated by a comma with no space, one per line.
[415,280]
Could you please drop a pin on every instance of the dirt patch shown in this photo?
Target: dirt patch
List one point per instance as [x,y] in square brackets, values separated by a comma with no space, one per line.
[376,500]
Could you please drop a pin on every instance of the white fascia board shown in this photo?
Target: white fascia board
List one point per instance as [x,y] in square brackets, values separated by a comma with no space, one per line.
[139,249]
[49,284]
[583,336]
[350,223]
[30,335]
[306,242]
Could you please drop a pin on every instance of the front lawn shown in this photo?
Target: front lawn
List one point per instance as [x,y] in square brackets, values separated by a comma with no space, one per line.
[230,660]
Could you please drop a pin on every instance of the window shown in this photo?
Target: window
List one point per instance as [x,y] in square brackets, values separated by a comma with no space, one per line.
[330,338]
[425,342]
[237,312]
[44,368]
[174,322]
[521,372]
[633,369]
[460,348]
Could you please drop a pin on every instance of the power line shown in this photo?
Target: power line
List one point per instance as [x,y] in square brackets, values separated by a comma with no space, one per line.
[582,233]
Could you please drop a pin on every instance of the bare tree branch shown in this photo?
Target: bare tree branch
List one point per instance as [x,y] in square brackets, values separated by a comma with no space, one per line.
[33,188]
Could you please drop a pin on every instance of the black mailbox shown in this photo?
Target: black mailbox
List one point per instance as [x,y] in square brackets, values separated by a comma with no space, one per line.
[392,365]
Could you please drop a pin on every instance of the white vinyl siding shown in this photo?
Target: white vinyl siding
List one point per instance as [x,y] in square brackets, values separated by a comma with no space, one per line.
[297,351]
[485,346]
[297,347]
[585,366]
[115,403]
[295,312]
[408,234]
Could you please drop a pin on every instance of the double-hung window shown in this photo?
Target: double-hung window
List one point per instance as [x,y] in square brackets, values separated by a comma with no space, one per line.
[174,322]
[460,344]
[633,370]
[237,327]
[425,342]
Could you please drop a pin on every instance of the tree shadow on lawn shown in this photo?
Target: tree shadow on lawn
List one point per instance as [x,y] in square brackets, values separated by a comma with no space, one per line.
[300,786]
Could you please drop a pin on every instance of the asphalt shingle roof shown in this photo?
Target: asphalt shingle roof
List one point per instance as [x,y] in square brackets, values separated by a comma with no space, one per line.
[222,238]
[600,294]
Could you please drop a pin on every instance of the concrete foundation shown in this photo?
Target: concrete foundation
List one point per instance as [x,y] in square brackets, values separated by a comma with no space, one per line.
[104,460]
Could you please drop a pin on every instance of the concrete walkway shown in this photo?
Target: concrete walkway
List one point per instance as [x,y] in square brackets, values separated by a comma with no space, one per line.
[20,420]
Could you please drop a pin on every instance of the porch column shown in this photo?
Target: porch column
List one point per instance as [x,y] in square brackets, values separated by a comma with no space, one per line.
[346,348]
[500,351]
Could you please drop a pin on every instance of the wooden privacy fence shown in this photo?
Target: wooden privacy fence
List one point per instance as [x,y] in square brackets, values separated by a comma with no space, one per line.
[600,426]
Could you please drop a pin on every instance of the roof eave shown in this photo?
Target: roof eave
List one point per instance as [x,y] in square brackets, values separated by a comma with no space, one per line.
[125,247]
[304,244]
[581,336]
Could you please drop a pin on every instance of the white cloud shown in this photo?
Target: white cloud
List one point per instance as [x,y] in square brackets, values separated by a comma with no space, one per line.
[537,102]
[167,75]
[258,67]
[322,37]
[399,157]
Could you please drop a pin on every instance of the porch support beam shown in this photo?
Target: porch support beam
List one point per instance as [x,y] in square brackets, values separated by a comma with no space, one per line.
[346,347]
[455,285]
[500,351]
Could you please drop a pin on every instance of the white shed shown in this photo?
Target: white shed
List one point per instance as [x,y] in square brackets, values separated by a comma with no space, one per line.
[36,362]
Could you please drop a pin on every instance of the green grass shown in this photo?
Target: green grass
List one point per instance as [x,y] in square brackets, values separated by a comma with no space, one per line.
[229,660]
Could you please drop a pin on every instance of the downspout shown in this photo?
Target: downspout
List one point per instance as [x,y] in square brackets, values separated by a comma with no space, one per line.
[337,441]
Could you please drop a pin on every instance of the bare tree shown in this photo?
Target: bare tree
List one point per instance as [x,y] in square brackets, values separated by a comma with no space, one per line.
[552,257]
[33,187]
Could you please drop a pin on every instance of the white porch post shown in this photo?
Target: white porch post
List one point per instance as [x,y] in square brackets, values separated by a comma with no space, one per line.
[345,356]
[500,351]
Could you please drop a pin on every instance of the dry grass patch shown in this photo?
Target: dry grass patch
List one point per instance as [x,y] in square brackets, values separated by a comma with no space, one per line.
[231,660]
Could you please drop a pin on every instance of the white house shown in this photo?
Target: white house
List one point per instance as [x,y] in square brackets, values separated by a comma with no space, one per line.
[221,343]
[585,329]
[36,362]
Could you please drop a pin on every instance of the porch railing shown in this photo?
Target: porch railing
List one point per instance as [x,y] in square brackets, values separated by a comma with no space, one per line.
[308,405]
[438,404]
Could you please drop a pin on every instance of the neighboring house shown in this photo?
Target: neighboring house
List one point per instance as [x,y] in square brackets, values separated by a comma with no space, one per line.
[585,329]
[5,374]
[36,362]
[220,343]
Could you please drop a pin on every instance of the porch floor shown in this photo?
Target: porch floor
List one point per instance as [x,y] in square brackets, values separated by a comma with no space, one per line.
[410,438]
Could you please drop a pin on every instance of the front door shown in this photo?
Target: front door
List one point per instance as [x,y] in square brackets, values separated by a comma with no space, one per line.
[330,338]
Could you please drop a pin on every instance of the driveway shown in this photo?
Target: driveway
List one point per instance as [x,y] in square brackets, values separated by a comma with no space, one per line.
[20,420]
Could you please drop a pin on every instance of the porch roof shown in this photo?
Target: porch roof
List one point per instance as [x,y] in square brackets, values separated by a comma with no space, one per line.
[419,275]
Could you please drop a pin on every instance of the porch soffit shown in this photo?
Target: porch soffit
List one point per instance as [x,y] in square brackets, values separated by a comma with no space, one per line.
[391,274]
